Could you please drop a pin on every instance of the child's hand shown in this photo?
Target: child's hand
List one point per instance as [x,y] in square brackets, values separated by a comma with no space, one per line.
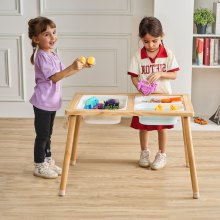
[154,77]
[87,63]
[78,64]
[90,62]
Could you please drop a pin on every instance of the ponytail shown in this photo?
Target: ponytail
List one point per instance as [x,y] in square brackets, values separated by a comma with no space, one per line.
[34,45]
[32,56]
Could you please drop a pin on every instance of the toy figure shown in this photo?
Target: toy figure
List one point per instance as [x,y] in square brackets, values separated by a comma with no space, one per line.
[146,87]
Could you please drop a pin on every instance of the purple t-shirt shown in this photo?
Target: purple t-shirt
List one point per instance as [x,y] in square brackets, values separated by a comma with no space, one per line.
[47,95]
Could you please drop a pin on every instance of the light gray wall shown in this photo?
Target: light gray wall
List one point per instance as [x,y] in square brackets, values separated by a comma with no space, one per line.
[108,31]
[177,20]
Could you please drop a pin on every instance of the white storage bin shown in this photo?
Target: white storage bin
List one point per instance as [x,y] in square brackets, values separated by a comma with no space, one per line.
[102,119]
[90,119]
[158,120]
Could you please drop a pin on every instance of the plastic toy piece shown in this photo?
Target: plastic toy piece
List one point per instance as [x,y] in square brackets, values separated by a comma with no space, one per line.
[82,59]
[100,106]
[111,104]
[155,100]
[176,99]
[200,121]
[159,108]
[203,122]
[172,99]
[197,120]
[165,100]
[91,60]
[91,103]
[174,107]
[146,87]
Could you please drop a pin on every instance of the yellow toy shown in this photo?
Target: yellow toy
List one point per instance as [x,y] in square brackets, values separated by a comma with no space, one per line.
[159,108]
[82,59]
[174,107]
[91,60]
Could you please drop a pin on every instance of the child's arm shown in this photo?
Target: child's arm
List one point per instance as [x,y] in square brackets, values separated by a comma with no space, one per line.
[135,81]
[75,67]
[163,75]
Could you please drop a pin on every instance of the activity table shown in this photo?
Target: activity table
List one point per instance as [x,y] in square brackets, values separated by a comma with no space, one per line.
[75,114]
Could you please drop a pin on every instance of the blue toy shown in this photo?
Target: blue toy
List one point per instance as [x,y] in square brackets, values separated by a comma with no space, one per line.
[91,103]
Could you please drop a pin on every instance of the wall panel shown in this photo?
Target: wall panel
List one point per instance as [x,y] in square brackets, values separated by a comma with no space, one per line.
[12,73]
[96,7]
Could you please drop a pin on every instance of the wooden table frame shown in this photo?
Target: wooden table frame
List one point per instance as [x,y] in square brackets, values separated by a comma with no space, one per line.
[74,116]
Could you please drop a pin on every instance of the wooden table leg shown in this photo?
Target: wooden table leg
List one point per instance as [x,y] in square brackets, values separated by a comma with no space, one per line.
[192,163]
[75,141]
[66,161]
[185,143]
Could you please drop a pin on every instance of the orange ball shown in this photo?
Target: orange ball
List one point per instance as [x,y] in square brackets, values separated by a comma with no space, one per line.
[91,60]
[82,59]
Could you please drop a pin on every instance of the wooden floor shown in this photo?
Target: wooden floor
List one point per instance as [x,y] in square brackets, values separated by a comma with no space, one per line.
[106,182]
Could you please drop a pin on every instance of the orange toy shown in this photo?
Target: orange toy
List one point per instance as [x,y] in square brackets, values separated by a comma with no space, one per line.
[203,122]
[172,99]
[165,100]
[200,121]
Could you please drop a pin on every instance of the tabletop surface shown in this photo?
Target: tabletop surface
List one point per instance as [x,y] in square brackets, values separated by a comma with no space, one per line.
[130,110]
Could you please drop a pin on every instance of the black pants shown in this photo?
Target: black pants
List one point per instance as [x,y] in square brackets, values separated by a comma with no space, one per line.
[43,124]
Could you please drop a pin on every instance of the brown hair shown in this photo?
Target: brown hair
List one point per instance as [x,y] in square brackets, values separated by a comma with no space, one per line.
[35,27]
[150,25]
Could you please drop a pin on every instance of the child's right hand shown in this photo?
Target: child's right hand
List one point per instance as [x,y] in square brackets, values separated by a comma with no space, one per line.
[78,64]
[89,62]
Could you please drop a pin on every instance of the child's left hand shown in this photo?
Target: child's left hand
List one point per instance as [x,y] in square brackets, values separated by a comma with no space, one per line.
[154,77]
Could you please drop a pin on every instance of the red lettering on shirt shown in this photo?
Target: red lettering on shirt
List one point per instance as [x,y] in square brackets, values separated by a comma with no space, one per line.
[153,68]
[143,69]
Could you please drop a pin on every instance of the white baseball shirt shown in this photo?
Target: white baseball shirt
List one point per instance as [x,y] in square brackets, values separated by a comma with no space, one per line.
[143,66]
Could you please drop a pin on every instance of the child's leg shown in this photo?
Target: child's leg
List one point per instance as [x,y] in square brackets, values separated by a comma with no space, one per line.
[145,153]
[47,148]
[160,158]
[42,128]
[162,140]
[144,139]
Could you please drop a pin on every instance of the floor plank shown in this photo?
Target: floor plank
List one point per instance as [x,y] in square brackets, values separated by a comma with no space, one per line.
[106,182]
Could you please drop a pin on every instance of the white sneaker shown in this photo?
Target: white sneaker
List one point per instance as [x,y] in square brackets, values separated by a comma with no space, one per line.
[144,158]
[160,161]
[53,166]
[43,170]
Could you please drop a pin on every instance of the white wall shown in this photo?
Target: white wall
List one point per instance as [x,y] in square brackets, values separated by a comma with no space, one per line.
[108,31]
[177,20]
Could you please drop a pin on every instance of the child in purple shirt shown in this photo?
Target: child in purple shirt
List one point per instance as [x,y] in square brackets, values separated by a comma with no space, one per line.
[46,99]
[47,94]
